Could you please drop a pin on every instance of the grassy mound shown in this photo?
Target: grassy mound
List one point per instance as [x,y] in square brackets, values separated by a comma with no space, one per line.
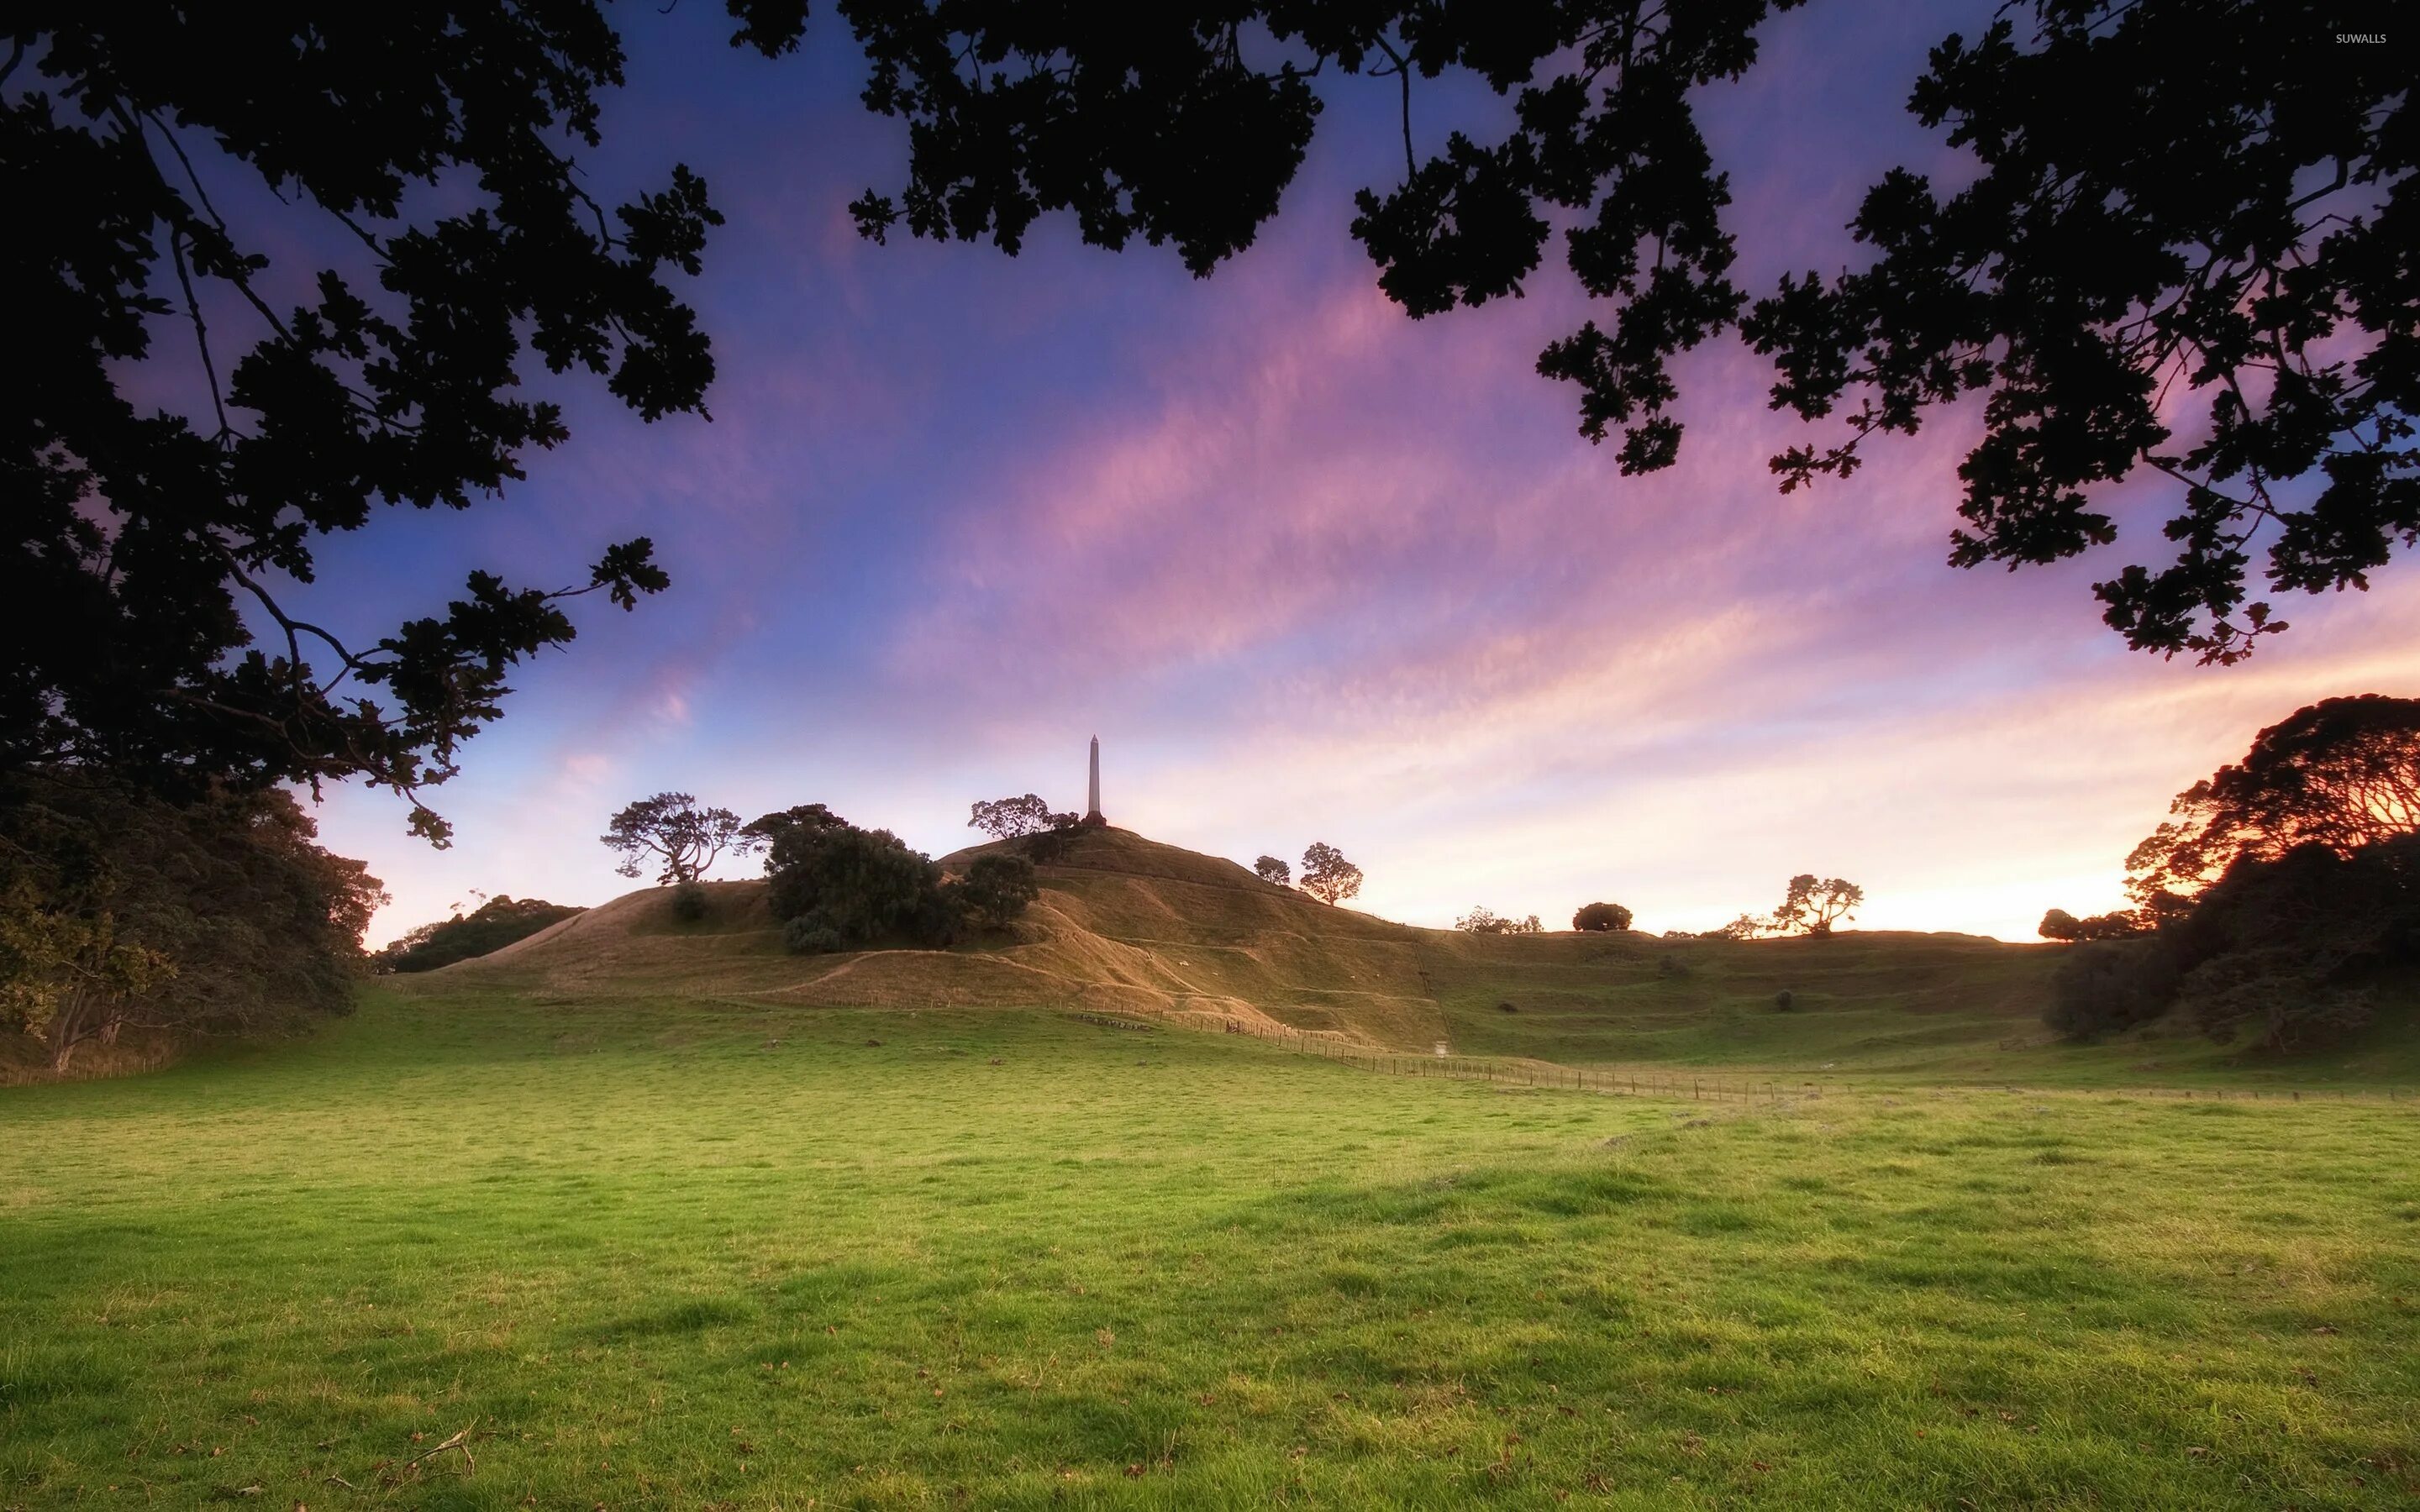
[1126,925]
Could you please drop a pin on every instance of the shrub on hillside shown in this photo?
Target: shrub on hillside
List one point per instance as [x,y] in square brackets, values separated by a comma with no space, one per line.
[2291,951]
[804,937]
[1601,918]
[688,902]
[863,884]
[997,888]
[1270,870]
[1745,927]
[1048,847]
[494,924]
[1484,920]
[1785,1000]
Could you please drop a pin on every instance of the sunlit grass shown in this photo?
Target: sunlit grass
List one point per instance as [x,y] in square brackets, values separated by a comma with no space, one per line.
[684,1254]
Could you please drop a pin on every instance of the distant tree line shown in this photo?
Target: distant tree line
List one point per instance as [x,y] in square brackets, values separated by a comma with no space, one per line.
[497,922]
[2279,899]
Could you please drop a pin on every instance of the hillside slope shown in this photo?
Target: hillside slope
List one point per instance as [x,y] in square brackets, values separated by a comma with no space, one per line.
[1127,925]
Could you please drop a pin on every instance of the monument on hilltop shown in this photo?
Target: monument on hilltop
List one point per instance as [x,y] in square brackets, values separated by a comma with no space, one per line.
[1093,795]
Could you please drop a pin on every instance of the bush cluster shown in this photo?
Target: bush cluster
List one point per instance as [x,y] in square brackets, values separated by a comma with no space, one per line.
[1601,918]
[838,887]
[2290,951]
[1484,920]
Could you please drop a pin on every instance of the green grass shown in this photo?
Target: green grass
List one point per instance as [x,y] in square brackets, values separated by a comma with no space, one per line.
[1918,1009]
[682,1254]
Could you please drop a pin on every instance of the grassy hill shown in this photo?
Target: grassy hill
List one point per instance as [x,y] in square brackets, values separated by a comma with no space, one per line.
[646,1214]
[1127,925]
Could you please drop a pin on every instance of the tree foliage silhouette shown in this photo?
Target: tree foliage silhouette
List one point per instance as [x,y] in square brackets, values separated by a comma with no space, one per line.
[1601,918]
[146,535]
[674,831]
[2343,773]
[1012,818]
[1327,875]
[2196,205]
[1811,905]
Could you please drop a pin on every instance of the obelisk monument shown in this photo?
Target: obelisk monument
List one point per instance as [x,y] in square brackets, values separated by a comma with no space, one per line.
[1093,798]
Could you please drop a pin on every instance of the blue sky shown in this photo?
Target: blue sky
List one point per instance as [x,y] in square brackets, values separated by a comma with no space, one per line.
[1311,569]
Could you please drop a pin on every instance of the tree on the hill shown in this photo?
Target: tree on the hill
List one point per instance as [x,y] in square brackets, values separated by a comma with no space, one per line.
[1011,818]
[764,829]
[1327,875]
[997,887]
[673,829]
[2058,925]
[2173,204]
[1601,917]
[1812,906]
[2343,773]
[1745,927]
[1269,869]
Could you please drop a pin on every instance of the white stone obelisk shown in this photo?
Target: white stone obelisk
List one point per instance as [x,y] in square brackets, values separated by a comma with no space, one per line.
[1093,806]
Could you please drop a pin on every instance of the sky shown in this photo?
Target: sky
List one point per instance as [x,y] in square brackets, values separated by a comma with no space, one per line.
[1311,570]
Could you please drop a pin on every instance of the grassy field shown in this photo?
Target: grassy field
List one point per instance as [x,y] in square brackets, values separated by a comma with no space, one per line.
[688,1253]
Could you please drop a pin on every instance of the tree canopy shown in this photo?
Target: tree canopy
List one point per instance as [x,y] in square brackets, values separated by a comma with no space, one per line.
[2196,208]
[147,533]
[1811,905]
[1601,918]
[1014,818]
[838,887]
[1327,875]
[2342,773]
[1270,869]
[997,888]
[673,829]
